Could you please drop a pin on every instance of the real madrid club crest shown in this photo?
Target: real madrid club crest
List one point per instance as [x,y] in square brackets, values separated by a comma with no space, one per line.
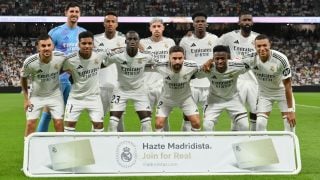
[118,44]
[166,45]
[209,43]
[56,66]
[96,61]
[139,61]
[126,154]
[272,68]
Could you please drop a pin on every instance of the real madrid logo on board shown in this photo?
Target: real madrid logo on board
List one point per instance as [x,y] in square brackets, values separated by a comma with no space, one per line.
[126,154]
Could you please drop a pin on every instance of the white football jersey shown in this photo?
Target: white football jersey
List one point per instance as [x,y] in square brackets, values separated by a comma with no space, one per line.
[109,74]
[85,74]
[239,47]
[224,85]
[159,50]
[130,69]
[44,77]
[199,50]
[270,73]
[176,85]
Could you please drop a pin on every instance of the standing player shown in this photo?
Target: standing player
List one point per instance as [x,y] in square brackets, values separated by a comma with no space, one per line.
[65,39]
[273,73]
[130,65]
[177,73]
[198,47]
[43,68]
[223,93]
[159,46]
[110,39]
[85,93]
[241,42]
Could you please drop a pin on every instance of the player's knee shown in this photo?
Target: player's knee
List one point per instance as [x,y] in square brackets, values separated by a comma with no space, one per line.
[159,123]
[241,122]
[262,120]
[97,125]
[31,124]
[208,125]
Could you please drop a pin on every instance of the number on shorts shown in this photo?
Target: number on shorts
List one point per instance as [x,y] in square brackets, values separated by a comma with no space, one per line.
[159,104]
[115,99]
[71,106]
[30,108]
[205,108]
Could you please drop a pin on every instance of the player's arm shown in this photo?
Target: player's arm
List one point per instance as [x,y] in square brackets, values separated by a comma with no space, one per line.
[289,96]
[24,86]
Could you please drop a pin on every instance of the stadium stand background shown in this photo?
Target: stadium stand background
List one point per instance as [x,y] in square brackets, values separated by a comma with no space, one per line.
[300,42]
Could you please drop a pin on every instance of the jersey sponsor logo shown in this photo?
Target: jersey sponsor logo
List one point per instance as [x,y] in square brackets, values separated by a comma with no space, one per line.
[193,45]
[79,67]
[236,42]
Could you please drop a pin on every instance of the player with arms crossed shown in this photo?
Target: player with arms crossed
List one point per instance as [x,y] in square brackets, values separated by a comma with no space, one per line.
[223,93]
[241,42]
[65,39]
[85,92]
[131,66]
[110,39]
[273,73]
[159,46]
[43,68]
[176,92]
[198,47]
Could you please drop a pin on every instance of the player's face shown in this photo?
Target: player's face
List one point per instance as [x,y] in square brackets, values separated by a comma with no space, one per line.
[176,61]
[73,14]
[86,46]
[132,40]
[263,48]
[220,59]
[156,29]
[246,23]
[45,48]
[200,23]
[110,23]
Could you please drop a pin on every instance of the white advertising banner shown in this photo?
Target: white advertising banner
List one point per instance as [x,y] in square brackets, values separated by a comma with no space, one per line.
[174,153]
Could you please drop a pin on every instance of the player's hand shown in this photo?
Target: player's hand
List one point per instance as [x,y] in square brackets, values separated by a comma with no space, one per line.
[206,67]
[291,117]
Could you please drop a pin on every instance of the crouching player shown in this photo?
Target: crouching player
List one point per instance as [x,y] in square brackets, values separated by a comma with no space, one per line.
[176,91]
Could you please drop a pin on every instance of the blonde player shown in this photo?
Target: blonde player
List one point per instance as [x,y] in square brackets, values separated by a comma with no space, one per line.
[110,39]
[176,91]
[223,93]
[198,47]
[85,93]
[273,73]
[130,65]
[241,42]
[43,68]
[159,46]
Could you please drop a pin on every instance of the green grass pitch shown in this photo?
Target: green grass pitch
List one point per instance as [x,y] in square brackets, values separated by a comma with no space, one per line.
[12,119]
